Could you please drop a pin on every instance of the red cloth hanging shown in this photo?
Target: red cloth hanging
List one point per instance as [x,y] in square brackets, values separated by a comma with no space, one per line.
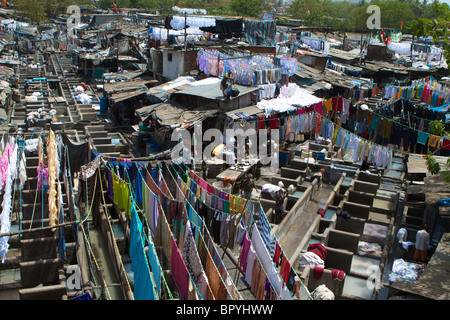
[334,102]
[446,144]
[340,104]
[261,122]
[273,121]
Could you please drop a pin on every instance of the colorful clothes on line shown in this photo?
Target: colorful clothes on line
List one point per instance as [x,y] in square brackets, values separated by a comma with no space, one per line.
[143,285]
[260,32]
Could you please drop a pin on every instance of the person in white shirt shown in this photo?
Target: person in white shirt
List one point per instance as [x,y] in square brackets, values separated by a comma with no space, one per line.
[363,54]
[422,244]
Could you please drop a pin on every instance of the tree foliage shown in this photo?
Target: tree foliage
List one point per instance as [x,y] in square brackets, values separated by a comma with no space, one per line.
[247,8]
[438,128]
[436,27]
[310,11]
[353,16]
[40,11]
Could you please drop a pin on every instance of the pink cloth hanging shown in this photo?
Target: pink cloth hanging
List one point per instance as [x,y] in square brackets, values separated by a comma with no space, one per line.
[180,271]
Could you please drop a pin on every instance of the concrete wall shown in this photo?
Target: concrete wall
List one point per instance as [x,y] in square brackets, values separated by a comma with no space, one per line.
[316,223]
[115,257]
[45,271]
[296,210]
[353,225]
[267,204]
[360,197]
[292,173]
[364,186]
[174,68]
[342,240]
[40,248]
[311,282]
[338,259]
[373,178]
[286,181]
[50,292]
[357,210]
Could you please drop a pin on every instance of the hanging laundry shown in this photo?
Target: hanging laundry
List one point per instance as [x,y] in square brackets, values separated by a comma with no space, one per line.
[260,32]
[143,285]
[192,260]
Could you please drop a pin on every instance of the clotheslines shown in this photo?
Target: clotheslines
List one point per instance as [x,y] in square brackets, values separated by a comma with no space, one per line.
[316,44]
[13,166]
[247,70]
[159,199]
[362,148]
[423,92]
[179,183]
[267,236]
[432,83]
[197,222]
[263,225]
[143,288]
[392,149]
[340,68]
[402,109]
[162,34]
[341,105]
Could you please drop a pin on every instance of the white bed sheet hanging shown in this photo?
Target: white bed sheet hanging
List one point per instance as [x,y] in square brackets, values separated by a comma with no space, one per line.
[290,97]
[178,22]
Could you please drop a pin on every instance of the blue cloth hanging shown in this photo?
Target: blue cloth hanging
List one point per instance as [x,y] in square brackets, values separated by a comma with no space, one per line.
[143,285]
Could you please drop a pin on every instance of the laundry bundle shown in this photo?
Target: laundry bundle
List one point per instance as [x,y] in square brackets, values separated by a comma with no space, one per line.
[314,256]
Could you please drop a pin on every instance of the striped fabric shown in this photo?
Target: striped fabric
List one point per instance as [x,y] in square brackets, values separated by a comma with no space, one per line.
[264,229]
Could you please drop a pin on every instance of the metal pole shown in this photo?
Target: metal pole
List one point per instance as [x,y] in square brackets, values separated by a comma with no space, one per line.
[185,35]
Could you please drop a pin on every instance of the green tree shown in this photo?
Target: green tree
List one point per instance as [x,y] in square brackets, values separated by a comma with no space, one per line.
[147,4]
[31,9]
[433,166]
[438,27]
[310,11]
[40,11]
[247,8]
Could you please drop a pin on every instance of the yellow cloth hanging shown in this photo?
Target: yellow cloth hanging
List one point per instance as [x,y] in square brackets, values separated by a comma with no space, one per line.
[51,156]
[232,204]
[336,130]
[328,104]
[433,140]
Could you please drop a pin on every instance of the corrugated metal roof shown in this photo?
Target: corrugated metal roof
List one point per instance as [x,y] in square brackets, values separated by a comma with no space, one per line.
[250,110]
[213,92]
